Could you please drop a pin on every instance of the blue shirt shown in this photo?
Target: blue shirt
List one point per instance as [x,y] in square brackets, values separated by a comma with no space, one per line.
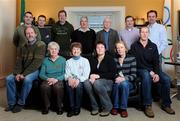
[106,39]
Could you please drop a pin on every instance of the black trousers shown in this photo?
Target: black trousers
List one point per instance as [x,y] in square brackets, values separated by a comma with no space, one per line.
[52,94]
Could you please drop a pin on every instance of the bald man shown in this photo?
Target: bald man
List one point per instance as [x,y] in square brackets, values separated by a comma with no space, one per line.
[108,35]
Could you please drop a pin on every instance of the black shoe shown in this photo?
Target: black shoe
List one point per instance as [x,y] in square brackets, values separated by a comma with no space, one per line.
[70,114]
[9,108]
[17,108]
[76,112]
[45,111]
[59,111]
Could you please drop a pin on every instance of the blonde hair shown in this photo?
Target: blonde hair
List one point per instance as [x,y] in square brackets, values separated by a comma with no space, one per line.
[123,43]
[51,44]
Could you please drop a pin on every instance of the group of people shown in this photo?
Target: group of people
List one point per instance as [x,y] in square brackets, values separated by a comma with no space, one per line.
[104,64]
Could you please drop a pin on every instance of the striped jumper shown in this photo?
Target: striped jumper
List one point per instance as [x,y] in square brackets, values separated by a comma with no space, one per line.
[127,69]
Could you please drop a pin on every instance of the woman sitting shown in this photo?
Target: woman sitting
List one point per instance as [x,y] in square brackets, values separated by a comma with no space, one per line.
[103,69]
[77,71]
[52,73]
[125,75]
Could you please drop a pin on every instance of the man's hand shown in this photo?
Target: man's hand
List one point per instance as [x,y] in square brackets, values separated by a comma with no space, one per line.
[155,78]
[17,77]
[22,77]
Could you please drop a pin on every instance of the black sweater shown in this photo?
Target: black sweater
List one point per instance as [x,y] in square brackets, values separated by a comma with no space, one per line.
[146,57]
[107,67]
[87,39]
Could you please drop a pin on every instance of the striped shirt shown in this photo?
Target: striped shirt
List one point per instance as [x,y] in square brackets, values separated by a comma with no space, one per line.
[128,68]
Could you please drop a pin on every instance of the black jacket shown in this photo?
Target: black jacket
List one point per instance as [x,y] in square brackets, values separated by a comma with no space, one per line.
[107,67]
[146,57]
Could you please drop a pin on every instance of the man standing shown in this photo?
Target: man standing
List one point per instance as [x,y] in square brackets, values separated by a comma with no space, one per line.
[45,32]
[85,36]
[108,35]
[19,38]
[130,34]
[61,33]
[158,33]
[29,59]
[148,70]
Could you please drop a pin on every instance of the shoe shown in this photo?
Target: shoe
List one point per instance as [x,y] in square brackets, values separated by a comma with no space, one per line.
[94,112]
[70,114]
[9,108]
[168,110]
[149,112]
[17,108]
[45,111]
[59,111]
[123,113]
[104,113]
[173,85]
[77,112]
[114,111]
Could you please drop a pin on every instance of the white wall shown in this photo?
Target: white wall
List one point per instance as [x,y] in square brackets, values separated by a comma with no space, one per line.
[7,27]
[117,13]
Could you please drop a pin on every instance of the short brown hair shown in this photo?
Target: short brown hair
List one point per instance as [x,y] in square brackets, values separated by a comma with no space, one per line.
[129,17]
[152,11]
[28,12]
[62,11]
[76,44]
[100,42]
[43,16]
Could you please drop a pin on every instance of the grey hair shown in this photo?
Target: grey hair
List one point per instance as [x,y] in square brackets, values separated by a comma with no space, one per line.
[53,44]
[84,17]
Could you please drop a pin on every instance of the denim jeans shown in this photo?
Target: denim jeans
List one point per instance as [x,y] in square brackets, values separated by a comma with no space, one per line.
[147,84]
[75,96]
[120,94]
[12,96]
[99,88]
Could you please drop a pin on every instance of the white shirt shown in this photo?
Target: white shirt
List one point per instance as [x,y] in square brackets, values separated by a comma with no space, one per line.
[79,68]
[158,35]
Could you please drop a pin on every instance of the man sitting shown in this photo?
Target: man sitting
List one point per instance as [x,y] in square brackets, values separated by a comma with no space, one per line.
[29,59]
[147,57]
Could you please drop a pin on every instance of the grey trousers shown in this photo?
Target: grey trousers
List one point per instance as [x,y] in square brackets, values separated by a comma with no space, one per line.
[100,88]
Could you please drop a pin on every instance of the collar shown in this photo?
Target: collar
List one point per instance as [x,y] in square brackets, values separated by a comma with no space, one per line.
[129,29]
[148,43]
[152,25]
[108,30]
[82,30]
[31,43]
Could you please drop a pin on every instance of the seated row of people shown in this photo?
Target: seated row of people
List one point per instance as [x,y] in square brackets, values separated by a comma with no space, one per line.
[99,76]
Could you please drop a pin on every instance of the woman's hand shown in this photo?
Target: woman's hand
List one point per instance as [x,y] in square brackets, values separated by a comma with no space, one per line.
[52,81]
[119,79]
[93,77]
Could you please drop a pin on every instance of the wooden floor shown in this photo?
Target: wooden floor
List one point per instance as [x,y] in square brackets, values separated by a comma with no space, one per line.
[134,115]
